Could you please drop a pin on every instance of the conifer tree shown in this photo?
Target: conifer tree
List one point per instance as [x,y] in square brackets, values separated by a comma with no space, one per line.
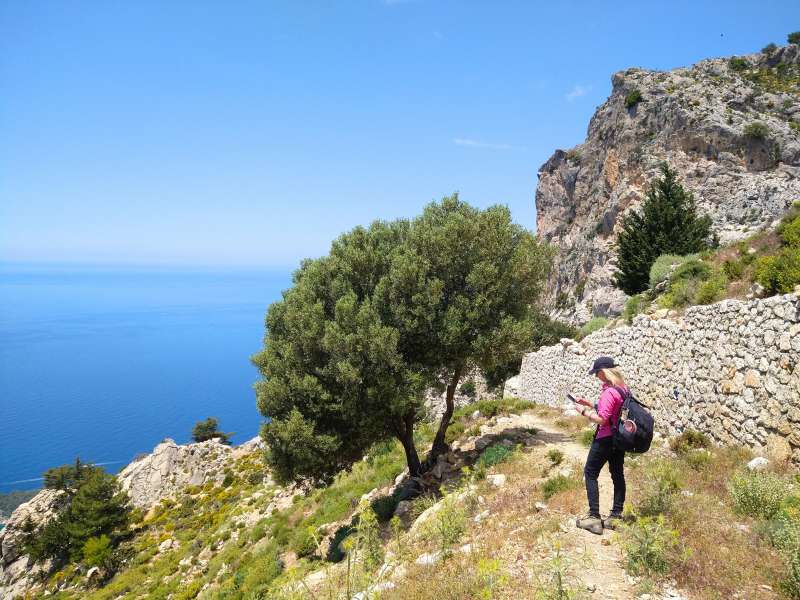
[666,223]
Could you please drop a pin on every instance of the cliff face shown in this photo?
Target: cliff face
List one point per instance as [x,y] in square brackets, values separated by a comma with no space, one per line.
[700,121]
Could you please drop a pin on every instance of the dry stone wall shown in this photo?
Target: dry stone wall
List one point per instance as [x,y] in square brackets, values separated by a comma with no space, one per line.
[730,370]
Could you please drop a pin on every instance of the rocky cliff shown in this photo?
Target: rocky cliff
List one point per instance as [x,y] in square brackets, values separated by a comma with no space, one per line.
[729,127]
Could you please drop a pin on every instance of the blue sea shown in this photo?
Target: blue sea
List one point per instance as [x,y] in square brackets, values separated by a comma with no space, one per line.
[104,363]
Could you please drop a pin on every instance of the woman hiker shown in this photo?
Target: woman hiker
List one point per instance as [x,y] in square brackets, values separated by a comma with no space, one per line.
[605,413]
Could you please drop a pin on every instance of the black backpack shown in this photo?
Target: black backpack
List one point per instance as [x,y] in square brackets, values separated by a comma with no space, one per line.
[634,430]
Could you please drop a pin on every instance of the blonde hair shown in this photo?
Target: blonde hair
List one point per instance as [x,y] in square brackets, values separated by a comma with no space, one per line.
[614,376]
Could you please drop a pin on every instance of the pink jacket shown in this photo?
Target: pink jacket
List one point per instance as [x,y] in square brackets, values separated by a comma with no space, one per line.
[609,407]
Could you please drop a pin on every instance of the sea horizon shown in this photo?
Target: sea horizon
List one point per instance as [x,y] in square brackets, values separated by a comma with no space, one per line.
[104,361]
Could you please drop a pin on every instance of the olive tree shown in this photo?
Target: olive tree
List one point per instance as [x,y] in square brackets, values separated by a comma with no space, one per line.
[391,311]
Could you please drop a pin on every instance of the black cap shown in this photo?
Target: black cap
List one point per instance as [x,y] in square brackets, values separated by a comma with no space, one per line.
[604,362]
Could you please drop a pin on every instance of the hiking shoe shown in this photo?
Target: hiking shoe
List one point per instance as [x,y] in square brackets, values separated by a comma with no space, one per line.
[590,523]
[612,521]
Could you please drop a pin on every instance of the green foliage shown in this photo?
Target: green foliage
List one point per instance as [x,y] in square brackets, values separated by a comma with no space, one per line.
[667,223]
[594,324]
[97,551]
[759,494]
[691,270]
[468,388]
[555,455]
[634,306]
[733,268]
[558,483]
[769,49]
[790,233]
[546,332]
[633,98]
[650,546]
[712,290]
[779,273]
[448,524]
[492,408]
[69,477]
[208,429]
[791,584]
[383,507]
[698,459]
[737,63]
[586,436]
[783,530]
[364,331]
[662,482]
[368,539]
[494,454]
[794,37]
[455,431]
[663,266]
[688,440]
[756,130]
[97,508]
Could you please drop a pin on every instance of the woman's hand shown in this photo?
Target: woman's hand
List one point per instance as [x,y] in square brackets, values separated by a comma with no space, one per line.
[584,402]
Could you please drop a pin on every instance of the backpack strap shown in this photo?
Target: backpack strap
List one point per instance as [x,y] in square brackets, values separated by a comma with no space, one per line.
[628,396]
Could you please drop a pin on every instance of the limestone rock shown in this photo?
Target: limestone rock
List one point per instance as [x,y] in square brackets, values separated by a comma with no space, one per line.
[694,118]
[171,467]
[759,463]
[17,571]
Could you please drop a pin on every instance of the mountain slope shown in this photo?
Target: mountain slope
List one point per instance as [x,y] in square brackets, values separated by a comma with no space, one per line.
[729,127]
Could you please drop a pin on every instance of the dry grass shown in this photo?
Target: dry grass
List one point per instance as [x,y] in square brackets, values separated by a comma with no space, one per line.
[726,559]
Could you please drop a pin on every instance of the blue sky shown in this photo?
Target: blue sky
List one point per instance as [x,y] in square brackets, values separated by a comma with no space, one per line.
[252,133]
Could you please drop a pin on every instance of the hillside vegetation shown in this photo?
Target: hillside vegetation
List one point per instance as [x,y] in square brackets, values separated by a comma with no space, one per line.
[503,527]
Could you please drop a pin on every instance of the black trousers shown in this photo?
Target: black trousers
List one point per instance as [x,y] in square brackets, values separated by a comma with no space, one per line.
[602,452]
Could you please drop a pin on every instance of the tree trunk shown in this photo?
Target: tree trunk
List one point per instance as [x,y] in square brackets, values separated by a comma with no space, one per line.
[439,445]
[405,433]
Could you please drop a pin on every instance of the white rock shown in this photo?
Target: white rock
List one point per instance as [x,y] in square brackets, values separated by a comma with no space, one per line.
[429,558]
[759,463]
[497,479]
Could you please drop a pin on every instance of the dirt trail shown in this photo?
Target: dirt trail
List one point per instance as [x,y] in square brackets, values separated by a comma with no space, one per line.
[604,562]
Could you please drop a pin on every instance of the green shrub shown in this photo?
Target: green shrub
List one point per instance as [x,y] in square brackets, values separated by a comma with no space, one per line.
[633,307]
[662,481]
[384,507]
[791,584]
[595,324]
[756,130]
[633,98]
[737,63]
[691,270]
[493,455]
[689,439]
[664,265]
[794,37]
[586,437]
[698,459]
[468,388]
[447,524]
[759,494]
[454,431]
[769,49]
[557,484]
[97,551]
[778,274]
[650,547]
[209,429]
[733,269]
[555,455]
[783,530]
[790,233]
[710,291]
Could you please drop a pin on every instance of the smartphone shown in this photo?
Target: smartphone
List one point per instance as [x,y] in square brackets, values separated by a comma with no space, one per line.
[571,397]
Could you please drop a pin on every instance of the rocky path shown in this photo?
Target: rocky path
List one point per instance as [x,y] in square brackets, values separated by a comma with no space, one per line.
[603,572]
